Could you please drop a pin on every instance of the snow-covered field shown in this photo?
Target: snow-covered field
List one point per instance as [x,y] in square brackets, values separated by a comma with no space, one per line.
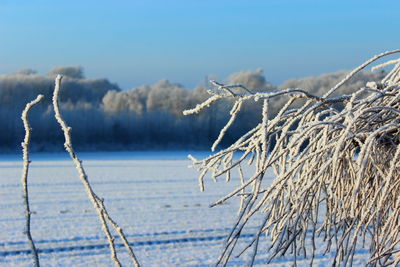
[153,196]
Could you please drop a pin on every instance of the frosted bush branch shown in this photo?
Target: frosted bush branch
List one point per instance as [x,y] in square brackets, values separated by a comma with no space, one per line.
[335,168]
[25,169]
[96,200]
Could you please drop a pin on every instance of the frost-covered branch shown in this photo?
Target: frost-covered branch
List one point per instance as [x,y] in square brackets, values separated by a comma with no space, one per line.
[335,169]
[96,200]
[25,169]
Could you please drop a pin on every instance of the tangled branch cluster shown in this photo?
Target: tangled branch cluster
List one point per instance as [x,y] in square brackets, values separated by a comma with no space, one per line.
[336,170]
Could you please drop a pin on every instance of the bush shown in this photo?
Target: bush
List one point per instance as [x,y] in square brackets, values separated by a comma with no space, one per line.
[336,169]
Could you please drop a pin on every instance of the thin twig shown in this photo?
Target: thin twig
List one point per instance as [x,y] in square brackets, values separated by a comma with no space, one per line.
[96,201]
[25,151]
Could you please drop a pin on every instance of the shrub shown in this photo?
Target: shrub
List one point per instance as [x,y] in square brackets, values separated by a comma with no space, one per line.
[336,169]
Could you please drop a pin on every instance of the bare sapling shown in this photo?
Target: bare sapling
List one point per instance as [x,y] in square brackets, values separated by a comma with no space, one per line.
[335,162]
[25,170]
[97,202]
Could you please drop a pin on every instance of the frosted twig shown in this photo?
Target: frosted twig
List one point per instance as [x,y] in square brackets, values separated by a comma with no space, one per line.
[359,68]
[96,201]
[388,63]
[235,110]
[199,107]
[25,151]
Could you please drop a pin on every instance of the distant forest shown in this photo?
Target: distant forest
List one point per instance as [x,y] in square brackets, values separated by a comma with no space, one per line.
[104,117]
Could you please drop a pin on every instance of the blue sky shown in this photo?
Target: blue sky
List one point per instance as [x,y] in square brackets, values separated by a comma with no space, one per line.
[141,42]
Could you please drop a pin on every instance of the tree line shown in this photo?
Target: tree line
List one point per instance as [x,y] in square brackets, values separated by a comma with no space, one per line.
[104,117]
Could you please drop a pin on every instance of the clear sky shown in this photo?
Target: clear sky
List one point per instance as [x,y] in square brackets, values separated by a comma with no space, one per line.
[140,42]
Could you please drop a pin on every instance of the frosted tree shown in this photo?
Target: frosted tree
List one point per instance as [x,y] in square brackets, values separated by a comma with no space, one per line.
[336,170]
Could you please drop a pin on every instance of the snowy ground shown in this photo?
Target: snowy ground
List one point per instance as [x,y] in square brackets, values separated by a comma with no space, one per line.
[153,196]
